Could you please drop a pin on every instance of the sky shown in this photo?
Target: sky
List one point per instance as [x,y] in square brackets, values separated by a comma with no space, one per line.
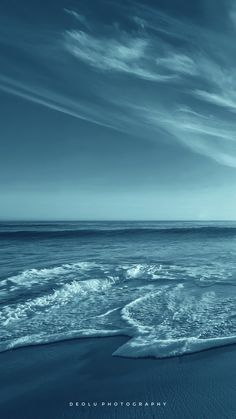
[117,110]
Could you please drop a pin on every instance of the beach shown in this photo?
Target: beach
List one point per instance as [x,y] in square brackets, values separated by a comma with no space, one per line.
[118,320]
[118,209]
[66,380]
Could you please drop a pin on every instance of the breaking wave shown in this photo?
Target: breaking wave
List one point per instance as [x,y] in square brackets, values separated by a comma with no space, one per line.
[165,309]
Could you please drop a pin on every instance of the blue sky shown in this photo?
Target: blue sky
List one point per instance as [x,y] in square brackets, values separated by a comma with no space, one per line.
[118,109]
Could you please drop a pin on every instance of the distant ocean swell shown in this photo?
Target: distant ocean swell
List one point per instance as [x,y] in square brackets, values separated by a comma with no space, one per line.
[165,309]
[129,232]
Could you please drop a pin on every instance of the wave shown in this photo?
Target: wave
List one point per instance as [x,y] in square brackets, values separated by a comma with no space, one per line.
[37,281]
[58,275]
[42,339]
[171,347]
[159,320]
[54,275]
[105,232]
[178,320]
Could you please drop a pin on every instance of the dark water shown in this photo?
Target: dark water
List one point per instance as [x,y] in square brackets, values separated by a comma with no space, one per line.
[170,286]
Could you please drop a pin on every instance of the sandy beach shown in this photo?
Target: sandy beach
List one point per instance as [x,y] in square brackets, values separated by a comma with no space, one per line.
[66,380]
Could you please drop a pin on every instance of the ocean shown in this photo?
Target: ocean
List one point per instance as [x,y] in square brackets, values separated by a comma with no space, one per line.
[168,286]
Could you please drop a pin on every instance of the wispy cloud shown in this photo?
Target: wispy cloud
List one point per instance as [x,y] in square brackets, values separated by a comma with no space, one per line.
[192,89]
[79,17]
[179,63]
[232,15]
[50,100]
[124,55]
[224,100]
[203,134]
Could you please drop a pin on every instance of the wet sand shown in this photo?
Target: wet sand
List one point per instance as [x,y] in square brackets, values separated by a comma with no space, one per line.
[46,381]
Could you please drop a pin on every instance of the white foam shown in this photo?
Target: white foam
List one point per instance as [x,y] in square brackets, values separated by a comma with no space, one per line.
[42,338]
[142,348]
[145,271]
[59,274]
[59,297]
[179,319]
[89,299]
[31,277]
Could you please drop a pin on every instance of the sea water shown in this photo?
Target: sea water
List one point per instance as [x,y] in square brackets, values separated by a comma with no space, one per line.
[168,286]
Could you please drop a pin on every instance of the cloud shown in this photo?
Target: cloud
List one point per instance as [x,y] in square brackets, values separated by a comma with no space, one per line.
[50,100]
[220,85]
[140,22]
[79,17]
[232,15]
[203,134]
[179,63]
[161,23]
[223,100]
[192,98]
[125,54]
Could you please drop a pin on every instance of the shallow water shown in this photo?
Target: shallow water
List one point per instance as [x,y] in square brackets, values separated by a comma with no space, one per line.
[170,286]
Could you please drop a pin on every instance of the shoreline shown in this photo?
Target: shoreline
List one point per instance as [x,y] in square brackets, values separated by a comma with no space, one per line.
[39,382]
[231,342]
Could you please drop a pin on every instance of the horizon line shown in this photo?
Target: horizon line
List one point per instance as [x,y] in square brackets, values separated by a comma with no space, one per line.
[113,220]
